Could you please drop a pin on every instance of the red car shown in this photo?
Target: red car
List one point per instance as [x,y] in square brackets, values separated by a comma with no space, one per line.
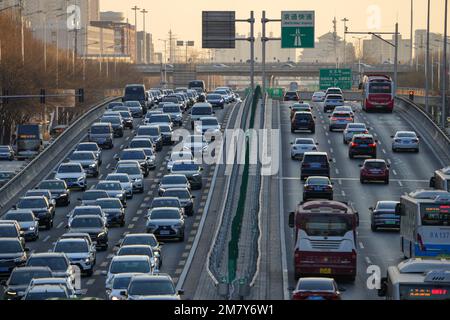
[374,170]
[316,289]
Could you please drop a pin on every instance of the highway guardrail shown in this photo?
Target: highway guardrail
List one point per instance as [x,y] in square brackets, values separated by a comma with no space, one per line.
[42,164]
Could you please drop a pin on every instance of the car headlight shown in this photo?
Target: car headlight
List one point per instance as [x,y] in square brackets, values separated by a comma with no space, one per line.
[151,226]
[178,225]
[32,228]
[87,260]
[101,235]
[92,165]
[196,175]
[11,293]
[80,178]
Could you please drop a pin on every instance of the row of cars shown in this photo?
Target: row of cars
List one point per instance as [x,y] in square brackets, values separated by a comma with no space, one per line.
[103,207]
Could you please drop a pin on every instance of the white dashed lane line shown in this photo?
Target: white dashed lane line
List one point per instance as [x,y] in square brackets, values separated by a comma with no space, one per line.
[46,239]
[361,245]
[394,172]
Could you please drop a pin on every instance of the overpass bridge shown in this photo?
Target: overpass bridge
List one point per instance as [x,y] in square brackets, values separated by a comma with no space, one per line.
[272,69]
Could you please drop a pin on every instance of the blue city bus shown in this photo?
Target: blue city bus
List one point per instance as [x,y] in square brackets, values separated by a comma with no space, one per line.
[29,140]
[425,224]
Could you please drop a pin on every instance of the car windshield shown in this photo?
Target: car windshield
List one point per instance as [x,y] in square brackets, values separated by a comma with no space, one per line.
[135,251]
[10,246]
[140,266]
[213,97]
[164,128]
[357,126]
[181,156]
[342,115]
[151,287]
[71,246]
[19,216]
[54,263]
[380,88]
[159,118]
[86,211]
[52,185]
[174,180]
[82,156]
[92,195]
[100,130]
[201,110]
[148,152]
[113,120]
[363,140]
[149,131]
[4,149]
[171,109]
[139,240]
[32,203]
[375,165]
[291,94]
[110,203]
[180,194]
[158,203]
[46,295]
[326,226]
[8,231]
[315,158]
[125,114]
[119,177]
[318,181]
[133,170]
[144,143]
[133,154]
[334,97]
[109,186]
[406,135]
[386,205]
[24,277]
[121,282]
[209,122]
[185,167]
[70,169]
[315,285]
[164,214]
[304,141]
[83,222]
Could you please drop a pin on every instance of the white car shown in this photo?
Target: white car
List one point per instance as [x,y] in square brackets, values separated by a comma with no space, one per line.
[178,155]
[133,169]
[73,174]
[207,126]
[352,129]
[197,144]
[302,145]
[124,180]
[318,96]
[152,287]
[126,264]
[405,140]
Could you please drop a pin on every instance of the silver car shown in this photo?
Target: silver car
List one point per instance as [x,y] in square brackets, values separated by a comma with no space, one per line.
[73,174]
[166,223]
[405,140]
[173,181]
[113,189]
[352,129]
[178,155]
[79,252]
[134,171]
[126,264]
[124,180]
[302,145]
[88,161]
[152,287]
[140,250]
[120,283]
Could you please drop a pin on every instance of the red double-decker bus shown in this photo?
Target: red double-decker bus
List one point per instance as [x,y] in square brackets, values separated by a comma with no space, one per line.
[325,239]
[377,93]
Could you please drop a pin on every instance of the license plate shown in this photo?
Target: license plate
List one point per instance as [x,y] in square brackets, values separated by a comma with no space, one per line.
[325,271]
[2,269]
[164,232]
[317,188]
[315,165]
[364,145]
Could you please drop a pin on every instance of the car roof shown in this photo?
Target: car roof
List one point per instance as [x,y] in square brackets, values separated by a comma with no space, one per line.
[32,268]
[129,258]
[143,277]
[47,255]
[375,161]
[315,153]
[363,135]
[72,240]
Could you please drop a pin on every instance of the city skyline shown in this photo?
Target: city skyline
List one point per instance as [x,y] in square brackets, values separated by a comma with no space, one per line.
[362,16]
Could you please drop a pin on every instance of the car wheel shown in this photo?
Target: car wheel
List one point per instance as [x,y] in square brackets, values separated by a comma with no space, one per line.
[350,156]
[313,130]
[105,247]
[417,150]
[90,272]
[122,223]
[386,181]
[292,130]
[330,129]
[49,225]
[394,149]
[361,180]
[373,228]
[84,188]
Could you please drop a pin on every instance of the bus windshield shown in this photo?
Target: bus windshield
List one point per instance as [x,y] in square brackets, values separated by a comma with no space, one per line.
[380,88]
[326,225]
[435,214]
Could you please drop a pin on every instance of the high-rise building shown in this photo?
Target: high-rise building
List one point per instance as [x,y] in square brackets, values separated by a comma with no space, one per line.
[145,52]
[377,51]
[329,48]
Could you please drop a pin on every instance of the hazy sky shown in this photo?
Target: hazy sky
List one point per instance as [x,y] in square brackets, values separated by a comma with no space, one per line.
[184,16]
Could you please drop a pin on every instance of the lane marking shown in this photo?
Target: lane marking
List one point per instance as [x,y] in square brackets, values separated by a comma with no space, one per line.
[46,239]
[135,219]
[400,183]
[394,172]
[131,226]
[90,282]
[355,179]
[108,166]
[368,260]
[361,245]
[337,172]
[60,225]
[104,264]
[384,151]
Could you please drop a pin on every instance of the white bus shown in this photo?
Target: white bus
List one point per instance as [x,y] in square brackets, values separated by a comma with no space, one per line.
[417,279]
[425,224]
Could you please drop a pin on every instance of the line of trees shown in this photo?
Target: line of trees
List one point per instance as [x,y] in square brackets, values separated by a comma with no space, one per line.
[58,71]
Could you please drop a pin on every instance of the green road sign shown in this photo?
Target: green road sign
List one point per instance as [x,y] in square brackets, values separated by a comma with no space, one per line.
[297,29]
[275,92]
[341,78]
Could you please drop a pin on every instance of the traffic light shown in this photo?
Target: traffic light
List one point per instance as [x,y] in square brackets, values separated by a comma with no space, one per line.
[42,98]
[81,95]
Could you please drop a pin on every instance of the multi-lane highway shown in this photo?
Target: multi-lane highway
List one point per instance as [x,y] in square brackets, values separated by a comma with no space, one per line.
[173,253]
[408,172]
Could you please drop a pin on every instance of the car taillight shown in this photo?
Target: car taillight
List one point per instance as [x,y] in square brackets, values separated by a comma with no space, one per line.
[305,165]
[415,140]
[334,119]
[366,132]
[398,140]
[353,254]
[372,145]
[354,144]
[420,241]
[348,119]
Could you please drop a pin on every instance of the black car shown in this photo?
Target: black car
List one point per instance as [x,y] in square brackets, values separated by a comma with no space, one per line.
[315,164]
[41,208]
[185,197]
[127,118]
[58,189]
[154,132]
[384,216]
[363,145]
[216,100]
[303,121]
[20,278]
[166,133]
[113,209]
[291,96]
[12,254]
[93,225]
[318,188]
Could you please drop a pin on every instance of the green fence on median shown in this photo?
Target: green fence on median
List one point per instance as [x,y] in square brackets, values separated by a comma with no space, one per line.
[233,245]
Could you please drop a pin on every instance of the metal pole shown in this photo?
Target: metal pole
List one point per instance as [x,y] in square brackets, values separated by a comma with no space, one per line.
[411,33]
[252,49]
[444,71]
[135,9]
[345,20]
[263,57]
[427,62]
[396,60]
[144,57]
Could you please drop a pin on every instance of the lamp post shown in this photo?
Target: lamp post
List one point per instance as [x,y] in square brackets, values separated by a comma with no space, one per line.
[135,9]
[444,70]
[144,42]
[427,62]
